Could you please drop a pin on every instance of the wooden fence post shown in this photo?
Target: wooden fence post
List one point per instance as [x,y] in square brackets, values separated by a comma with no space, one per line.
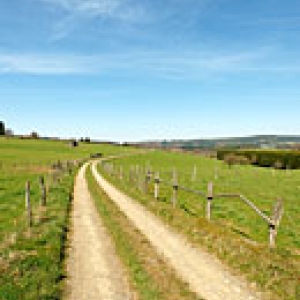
[210,197]
[216,173]
[131,174]
[156,186]
[272,235]
[140,179]
[194,174]
[112,169]
[276,218]
[43,191]
[121,173]
[175,188]
[147,180]
[28,204]
[69,167]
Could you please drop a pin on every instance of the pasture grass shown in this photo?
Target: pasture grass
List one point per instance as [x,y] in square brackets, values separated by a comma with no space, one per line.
[236,234]
[31,261]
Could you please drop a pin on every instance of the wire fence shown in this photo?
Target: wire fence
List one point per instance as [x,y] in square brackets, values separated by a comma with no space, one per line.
[143,177]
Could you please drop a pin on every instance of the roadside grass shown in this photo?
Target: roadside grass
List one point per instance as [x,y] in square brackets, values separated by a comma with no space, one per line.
[31,264]
[235,234]
[150,277]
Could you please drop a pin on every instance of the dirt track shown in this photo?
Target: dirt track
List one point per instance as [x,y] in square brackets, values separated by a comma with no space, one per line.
[205,275]
[94,271]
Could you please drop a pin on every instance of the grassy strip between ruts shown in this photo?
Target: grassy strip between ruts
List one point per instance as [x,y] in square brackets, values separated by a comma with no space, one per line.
[275,272]
[31,265]
[149,275]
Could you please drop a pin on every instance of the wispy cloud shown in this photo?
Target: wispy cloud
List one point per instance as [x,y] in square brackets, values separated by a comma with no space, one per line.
[123,14]
[76,12]
[39,64]
[188,65]
[117,9]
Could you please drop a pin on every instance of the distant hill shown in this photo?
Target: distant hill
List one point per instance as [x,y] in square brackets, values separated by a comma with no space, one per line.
[259,141]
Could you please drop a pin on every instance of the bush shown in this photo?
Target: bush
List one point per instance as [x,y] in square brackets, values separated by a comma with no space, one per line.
[278,165]
[233,159]
[280,159]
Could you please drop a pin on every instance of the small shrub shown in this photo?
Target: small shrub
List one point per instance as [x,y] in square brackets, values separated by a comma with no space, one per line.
[278,165]
[233,159]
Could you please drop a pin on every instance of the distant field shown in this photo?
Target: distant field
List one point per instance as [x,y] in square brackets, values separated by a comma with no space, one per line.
[236,233]
[31,267]
[41,152]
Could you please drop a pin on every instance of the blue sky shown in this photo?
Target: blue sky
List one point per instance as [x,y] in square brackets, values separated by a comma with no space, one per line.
[149,69]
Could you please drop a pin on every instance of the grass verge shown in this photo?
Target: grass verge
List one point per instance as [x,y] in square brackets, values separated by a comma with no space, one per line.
[148,273]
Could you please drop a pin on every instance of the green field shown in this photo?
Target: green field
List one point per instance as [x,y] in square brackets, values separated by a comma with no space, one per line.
[31,263]
[236,233]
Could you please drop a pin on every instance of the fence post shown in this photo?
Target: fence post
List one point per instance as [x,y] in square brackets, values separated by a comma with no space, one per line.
[139,179]
[216,173]
[112,170]
[276,218]
[69,167]
[175,188]
[121,173]
[43,191]
[28,204]
[156,186]
[272,235]
[131,174]
[194,174]
[147,180]
[210,197]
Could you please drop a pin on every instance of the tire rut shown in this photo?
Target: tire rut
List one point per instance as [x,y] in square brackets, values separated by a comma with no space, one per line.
[94,271]
[206,275]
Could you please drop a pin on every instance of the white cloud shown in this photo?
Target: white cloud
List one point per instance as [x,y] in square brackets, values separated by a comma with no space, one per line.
[185,65]
[76,12]
[45,64]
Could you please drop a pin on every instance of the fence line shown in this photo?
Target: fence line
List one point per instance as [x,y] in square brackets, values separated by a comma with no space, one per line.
[58,169]
[273,222]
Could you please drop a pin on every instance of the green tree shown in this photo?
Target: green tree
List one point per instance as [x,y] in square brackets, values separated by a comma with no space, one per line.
[2,128]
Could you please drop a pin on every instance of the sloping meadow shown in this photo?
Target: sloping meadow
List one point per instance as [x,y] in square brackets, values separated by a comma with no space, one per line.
[235,233]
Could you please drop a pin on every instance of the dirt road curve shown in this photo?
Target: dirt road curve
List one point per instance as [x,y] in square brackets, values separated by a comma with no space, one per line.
[205,275]
[93,268]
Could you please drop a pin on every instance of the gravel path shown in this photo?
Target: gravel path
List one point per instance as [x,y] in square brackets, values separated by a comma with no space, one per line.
[206,275]
[94,271]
